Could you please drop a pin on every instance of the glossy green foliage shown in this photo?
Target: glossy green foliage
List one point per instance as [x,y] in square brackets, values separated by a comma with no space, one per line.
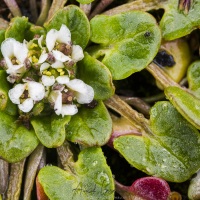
[17,28]
[5,104]
[91,178]
[16,141]
[97,75]
[50,129]
[186,103]
[172,152]
[176,22]
[34,30]
[193,76]
[75,19]
[128,41]
[90,126]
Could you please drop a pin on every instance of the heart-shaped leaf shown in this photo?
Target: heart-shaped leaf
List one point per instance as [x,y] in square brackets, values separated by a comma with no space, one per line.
[128,41]
[97,75]
[91,178]
[177,21]
[17,28]
[50,130]
[165,153]
[90,126]
[77,22]
[186,103]
[16,142]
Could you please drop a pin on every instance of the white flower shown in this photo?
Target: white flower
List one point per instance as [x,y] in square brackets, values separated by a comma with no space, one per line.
[12,49]
[36,92]
[82,92]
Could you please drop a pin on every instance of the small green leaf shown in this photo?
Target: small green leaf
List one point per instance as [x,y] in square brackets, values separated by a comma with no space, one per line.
[16,142]
[128,41]
[92,178]
[193,76]
[90,126]
[186,103]
[177,23]
[77,22]
[164,154]
[5,103]
[50,130]
[97,75]
[18,28]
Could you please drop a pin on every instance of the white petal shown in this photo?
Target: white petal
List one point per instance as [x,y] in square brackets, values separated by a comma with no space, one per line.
[16,92]
[62,79]
[40,41]
[7,48]
[57,64]
[44,66]
[42,58]
[64,35]
[13,69]
[85,97]
[61,56]
[69,110]
[77,85]
[77,53]
[27,105]
[48,80]
[55,97]
[20,51]
[36,90]
[51,38]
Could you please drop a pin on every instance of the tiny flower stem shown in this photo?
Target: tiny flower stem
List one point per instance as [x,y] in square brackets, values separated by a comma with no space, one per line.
[31,171]
[161,76]
[45,6]
[142,5]
[15,181]
[121,107]
[13,7]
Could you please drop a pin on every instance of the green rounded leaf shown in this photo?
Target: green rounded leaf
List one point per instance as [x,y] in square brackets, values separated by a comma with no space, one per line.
[177,23]
[186,103]
[172,152]
[97,75]
[77,22]
[50,130]
[90,126]
[128,41]
[5,103]
[17,28]
[92,178]
[193,76]
[16,141]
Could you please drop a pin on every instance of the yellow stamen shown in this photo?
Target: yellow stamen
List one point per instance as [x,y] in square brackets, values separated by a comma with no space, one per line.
[34,59]
[60,70]
[33,45]
[48,73]
[62,73]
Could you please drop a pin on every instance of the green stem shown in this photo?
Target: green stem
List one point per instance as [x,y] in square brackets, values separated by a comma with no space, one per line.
[121,107]
[56,5]
[45,5]
[163,78]
[142,5]
[15,182]
[13,7]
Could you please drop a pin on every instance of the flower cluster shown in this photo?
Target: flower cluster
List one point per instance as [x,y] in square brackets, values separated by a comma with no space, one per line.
[43,70]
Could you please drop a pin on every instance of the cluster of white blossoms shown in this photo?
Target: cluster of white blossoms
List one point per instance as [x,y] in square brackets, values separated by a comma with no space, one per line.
[43,70]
